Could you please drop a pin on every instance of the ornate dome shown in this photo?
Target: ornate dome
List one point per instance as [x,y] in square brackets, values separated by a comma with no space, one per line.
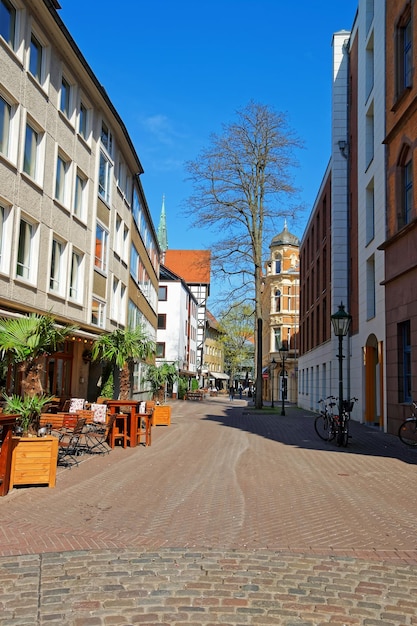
[285,237]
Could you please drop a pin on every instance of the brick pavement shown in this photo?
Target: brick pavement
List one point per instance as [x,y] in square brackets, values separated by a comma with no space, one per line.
[231,517]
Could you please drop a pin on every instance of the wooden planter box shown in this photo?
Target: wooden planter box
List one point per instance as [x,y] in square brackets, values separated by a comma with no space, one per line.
[34,461]
[161,416]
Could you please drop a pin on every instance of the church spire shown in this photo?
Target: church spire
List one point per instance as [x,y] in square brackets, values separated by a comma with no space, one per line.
[162,231]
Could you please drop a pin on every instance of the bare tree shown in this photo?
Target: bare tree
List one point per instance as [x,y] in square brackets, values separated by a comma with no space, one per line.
[241,181]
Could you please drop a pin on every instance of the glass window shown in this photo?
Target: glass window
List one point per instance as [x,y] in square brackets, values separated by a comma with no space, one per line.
[134,263]
[25,249]
[101,248]
[162,293]
[62,170]
[65,97]
[83,121]
[75,286]
[104,177]
[8,22]
[56,277]
[30,151]
[5,117]
[408,191]
[35,58]
[98,312]
[404,362]
[79,195]
[106,138]
[160,350]
[162,322]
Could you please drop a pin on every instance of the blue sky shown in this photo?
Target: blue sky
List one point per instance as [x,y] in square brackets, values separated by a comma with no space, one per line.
[177,70]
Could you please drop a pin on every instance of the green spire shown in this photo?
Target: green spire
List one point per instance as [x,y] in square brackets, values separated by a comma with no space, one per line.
[162,229]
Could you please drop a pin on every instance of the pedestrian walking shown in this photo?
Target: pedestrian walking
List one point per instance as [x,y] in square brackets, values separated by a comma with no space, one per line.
[231,392]
[240,392]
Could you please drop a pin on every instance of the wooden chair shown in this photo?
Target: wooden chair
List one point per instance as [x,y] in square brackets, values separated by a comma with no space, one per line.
[120,429]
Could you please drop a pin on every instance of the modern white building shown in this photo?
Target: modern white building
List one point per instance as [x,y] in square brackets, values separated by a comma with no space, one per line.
[177,324]
[340,257]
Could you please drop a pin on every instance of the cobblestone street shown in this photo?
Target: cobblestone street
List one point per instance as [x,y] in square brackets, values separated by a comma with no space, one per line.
[230,517]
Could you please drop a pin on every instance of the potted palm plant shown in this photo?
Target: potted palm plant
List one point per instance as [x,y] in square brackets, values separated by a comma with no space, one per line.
[26,341]
[117,350]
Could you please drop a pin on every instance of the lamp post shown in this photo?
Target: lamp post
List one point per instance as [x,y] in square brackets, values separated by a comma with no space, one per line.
[341,322]
[271,369]
[283,350]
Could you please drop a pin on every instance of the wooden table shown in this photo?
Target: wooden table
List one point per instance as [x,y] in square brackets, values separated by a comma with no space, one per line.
[133,417]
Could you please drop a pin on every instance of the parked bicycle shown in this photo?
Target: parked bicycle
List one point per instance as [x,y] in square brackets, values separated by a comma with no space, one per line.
[324,424]
[329,426]
[407,432]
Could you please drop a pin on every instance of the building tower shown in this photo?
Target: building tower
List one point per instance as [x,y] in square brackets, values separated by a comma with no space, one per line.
[162,232]
[280,307]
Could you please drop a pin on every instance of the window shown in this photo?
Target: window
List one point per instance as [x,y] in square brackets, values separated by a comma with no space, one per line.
[101,248]
[369,139]
[369,67]
[84,121]
[80,195]
[404,362]
[106,139]
[8,22]
[65,98]
[30,155]
[5,236]
[370,288]
[5,118]
[370,212]
[134,263]
[160,350]
[98,312]
[162,293]
[277,298]
[278,266]
[162,322]
[118,301]
[104,178]
[61,180]
[277,339]
[407,191]
[75,284]
[404,53]
[56,278]
[25,266]
[35,58]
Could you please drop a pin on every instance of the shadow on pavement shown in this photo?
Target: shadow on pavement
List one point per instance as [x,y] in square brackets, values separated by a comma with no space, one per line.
[296,428]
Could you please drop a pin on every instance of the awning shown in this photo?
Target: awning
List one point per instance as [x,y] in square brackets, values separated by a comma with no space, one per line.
[219,375]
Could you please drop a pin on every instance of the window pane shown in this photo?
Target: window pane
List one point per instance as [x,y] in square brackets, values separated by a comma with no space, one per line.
[61,169]
[7,22]
[29,157]
[82,129]
[35,58]
[65,97]
[5,114]
[55,265]
[408,191]
[75,276]
[24,249]
[80,184]
[101,248]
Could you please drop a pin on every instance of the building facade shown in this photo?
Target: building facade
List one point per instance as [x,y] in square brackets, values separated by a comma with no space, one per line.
[177,324]
[400,245]
[280,310]
[76,236]
[341,258]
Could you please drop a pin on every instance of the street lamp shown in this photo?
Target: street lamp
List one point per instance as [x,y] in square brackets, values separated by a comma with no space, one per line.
[283,350]
[341,322]
[271,369]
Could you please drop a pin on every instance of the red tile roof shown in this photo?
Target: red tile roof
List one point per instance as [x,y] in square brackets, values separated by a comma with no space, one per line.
[192,265]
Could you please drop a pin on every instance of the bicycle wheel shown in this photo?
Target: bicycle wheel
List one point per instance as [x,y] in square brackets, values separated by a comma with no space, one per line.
[322,427]
[343,433]
[408,432]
